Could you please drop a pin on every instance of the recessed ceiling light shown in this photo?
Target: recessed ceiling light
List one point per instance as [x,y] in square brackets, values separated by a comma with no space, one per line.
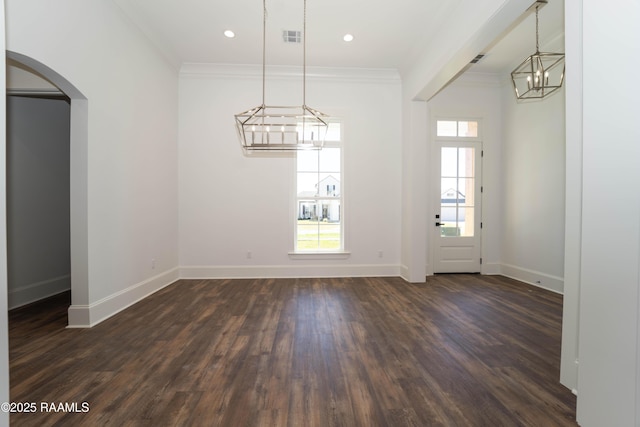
[229,34]
[348,37]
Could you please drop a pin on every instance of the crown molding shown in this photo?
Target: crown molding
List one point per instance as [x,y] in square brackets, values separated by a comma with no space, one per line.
[249,71]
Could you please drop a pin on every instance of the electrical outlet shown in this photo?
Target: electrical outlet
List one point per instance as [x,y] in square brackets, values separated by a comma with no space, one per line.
[249,254]
[380,254]
[153,263]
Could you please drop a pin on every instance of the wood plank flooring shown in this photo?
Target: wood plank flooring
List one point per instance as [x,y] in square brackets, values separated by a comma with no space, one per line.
[458,350]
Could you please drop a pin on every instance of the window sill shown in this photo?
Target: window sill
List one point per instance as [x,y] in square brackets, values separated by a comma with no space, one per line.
[320,255]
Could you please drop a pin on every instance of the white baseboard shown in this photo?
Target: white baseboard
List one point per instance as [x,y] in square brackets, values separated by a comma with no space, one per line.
[535,278]
[404,272]
[86,316]
[287,271]
[412,276]
[27,294]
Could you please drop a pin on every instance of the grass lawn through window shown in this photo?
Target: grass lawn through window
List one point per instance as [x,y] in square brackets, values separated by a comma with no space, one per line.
[318,235]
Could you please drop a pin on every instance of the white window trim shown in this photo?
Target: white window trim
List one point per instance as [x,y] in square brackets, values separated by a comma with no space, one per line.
[319,255]
[342,253]
[457,138]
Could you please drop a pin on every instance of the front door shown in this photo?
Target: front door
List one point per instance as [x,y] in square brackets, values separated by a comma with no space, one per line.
[456,220]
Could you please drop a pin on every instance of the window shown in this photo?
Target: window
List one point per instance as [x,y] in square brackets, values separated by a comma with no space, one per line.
[460,145]
[319,196]
[457,128]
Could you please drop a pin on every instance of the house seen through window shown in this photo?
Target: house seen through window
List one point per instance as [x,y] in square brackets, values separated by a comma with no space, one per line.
[319,196]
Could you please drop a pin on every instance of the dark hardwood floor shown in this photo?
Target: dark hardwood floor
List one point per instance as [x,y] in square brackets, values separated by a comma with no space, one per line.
[458,350]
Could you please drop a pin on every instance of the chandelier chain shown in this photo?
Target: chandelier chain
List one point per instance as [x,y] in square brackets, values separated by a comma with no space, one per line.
[304,51]
[304,55]
[264,46]
[537,31]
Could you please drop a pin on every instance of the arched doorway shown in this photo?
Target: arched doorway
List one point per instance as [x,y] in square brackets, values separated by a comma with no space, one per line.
[78,191]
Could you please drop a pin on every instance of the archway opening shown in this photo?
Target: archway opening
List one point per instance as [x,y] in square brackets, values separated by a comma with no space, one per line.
[77,167]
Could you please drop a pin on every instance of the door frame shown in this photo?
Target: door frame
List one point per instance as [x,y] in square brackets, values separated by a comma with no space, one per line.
[434,180]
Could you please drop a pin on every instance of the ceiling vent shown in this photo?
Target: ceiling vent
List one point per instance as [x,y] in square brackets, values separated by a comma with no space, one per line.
[477,58]
[290,36]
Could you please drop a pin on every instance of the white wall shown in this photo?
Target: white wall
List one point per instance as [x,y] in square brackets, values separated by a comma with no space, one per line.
[231,204]
[609,287]
[573,195]
[532,162]
[477,96]
[534,165]
[472,27]
[415,172]
[131,149]
[534,189]
[37,198]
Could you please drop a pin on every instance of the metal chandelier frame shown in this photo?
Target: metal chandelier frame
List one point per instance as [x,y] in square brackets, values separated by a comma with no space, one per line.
[540,74]
[267,128]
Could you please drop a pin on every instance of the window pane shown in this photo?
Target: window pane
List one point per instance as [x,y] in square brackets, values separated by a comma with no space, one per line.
[329,159]
[307,184]
[329,235]
[318,216]
[466,188]
[449,190]
[307,209]
[307,161]
[465,162]
[446,128]
[329,211]
[311,131]
[448,214]
[307,234]
[333,133]
[465,221]
[318,234]
[448,221]
[329,185]
[468,129]
[449,159]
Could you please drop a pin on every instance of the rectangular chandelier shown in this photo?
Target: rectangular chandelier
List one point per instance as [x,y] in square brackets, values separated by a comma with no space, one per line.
[270,128]
[280,128]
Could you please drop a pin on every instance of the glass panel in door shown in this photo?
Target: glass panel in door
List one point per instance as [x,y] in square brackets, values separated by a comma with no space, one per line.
[457,192]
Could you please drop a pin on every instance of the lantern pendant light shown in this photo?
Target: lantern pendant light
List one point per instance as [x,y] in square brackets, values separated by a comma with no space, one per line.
[540,74]
[267,128]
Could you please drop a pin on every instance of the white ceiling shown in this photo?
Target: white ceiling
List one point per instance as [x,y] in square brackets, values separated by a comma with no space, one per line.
[520,42]
[387,34]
